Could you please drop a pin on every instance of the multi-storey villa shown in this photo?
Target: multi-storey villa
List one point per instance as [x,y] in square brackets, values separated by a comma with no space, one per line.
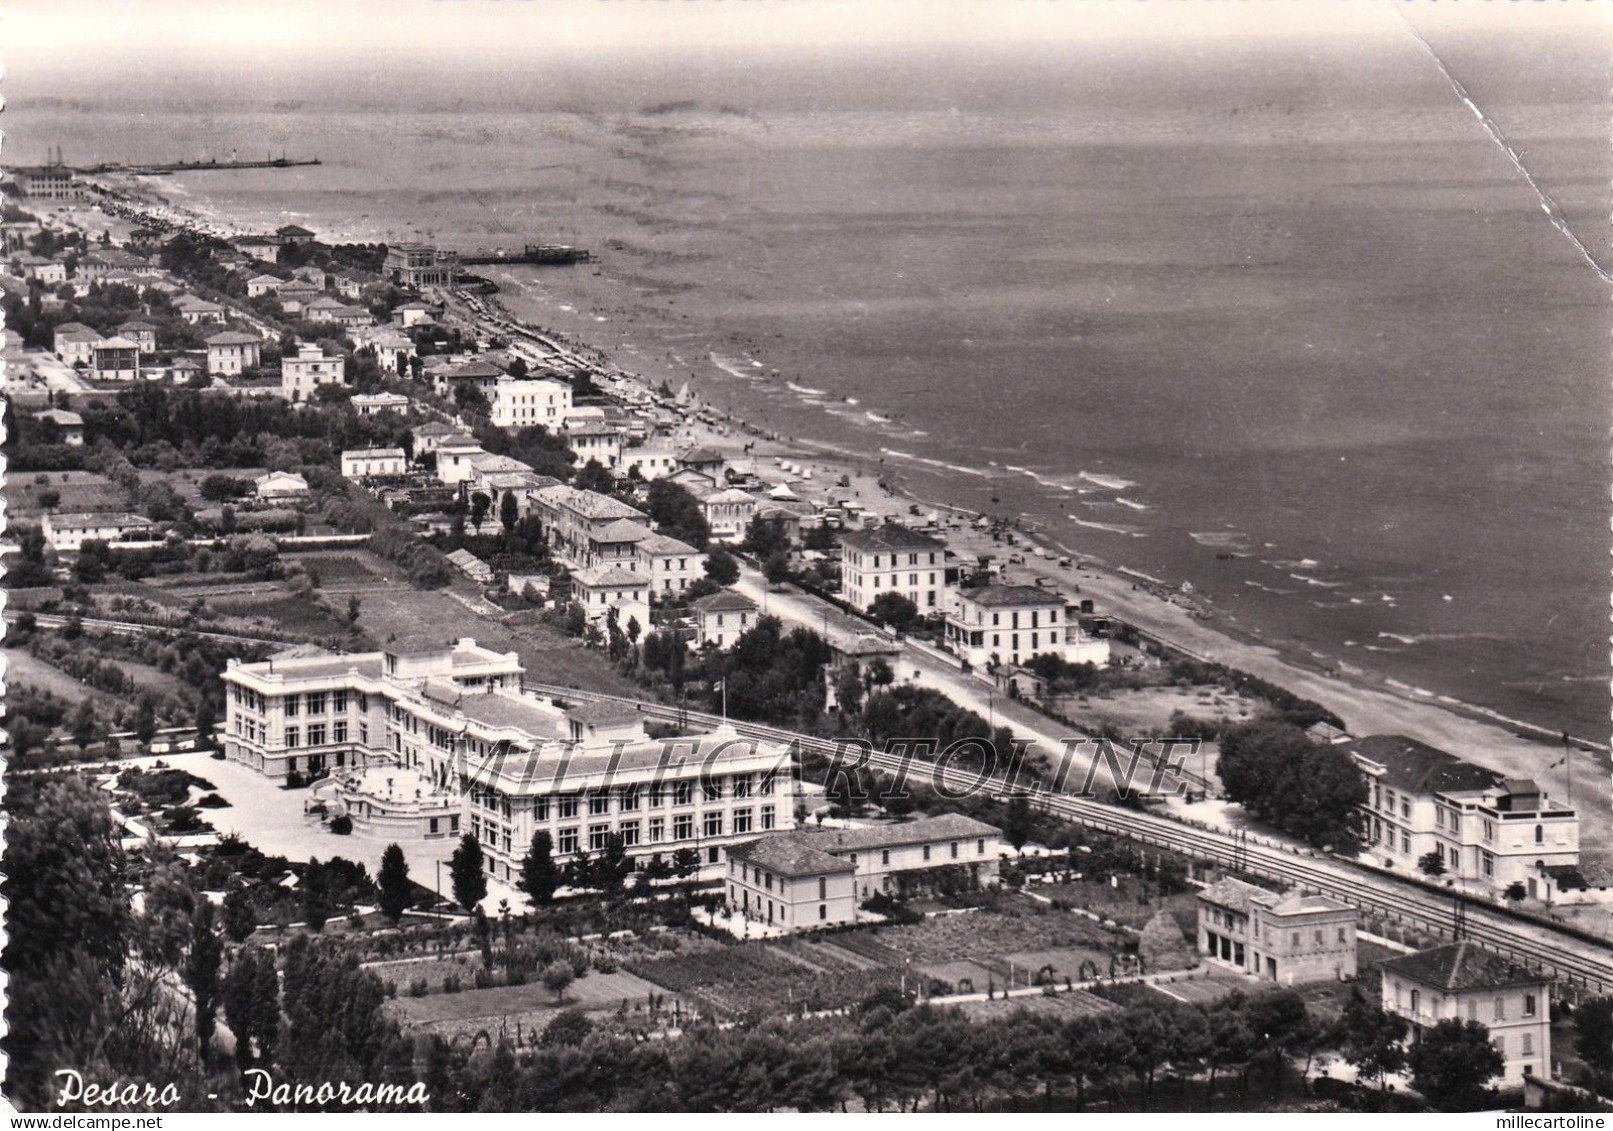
[1423,801]
[1288,938]
[522,404]
[1465,982]
[423,741]
[893,559]
[1012,623]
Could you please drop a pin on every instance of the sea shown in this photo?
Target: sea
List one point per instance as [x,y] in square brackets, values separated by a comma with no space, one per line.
[1288,322]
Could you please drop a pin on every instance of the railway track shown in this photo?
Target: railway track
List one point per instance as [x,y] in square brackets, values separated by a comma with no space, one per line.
[1582,963]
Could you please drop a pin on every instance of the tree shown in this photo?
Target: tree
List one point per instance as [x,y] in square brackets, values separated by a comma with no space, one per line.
[566,1029]
[315,896]
[1453,1063]
[1432,863]
[776,569]
[1516,892]
[240,919]
[84,724]
[721,567]
[1371,1038]
[206,722]
[145,721]
[685,863]
[252,1003]
[479,504]
[539,874]
[202,966]
[468,867]
[593,476]
[1593,1033]
[509,511]
[677,514]
[1279,775]
[614,865]
[393,882]
[353,607]
[894,610]
[557,976]
[1018,821]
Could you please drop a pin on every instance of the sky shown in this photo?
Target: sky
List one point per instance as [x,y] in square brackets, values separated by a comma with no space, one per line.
[149,31]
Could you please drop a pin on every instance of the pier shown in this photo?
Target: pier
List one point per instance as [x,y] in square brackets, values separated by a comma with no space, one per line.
[197,166]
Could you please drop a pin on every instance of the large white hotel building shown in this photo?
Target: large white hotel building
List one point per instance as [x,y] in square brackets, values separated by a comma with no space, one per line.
[441,740]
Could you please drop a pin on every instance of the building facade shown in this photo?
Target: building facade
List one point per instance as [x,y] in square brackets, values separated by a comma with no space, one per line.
[1289,939]
[419,265]
[522,404]
[232,352]
[1465,982]
[363,463]
[1009,624]
[302,375]
[441,741]
[893,559]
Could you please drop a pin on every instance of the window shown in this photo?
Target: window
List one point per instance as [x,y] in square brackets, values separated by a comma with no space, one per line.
[1318,938]
[657,829]
[657,796]
[1342,935]
[823,887]
[339,732]
[711,789]
[566,843]
[682,793]
[769,783]
[293,738]
[1472,1011]
[1294,942]
[885,856]
[926,852]
[823,911]
[1416,998]
[597,836]
[1528,1007]
[768,818]
[316,735]
[713,824]
[629,799]
[316,703]
[540,809]
[1528,1048]
[598,804]
[568,806]
[742,784]
[1500,1008]
[629,833]
[742,819]
[683,828]
[980,847]
[1540,838]
[338,702]
[291,706]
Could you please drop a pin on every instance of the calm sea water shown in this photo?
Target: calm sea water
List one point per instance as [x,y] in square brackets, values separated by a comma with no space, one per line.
[1299,308]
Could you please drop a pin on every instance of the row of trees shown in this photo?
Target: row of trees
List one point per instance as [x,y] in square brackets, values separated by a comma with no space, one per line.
[1306,789]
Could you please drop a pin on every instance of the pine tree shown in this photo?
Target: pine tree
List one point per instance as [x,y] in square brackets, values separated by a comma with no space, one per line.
[469,871]
[393,881]
[201,973]
[539,874]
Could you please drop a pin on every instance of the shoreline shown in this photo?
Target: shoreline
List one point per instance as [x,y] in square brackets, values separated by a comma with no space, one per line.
[1369,701]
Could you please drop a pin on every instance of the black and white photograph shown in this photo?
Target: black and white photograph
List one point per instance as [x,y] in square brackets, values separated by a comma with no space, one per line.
[807,556]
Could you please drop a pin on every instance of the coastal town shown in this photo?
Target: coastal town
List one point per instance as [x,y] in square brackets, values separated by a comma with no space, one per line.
[374,640]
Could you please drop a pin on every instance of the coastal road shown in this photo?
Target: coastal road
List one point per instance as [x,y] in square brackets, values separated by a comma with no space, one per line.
[1582,963]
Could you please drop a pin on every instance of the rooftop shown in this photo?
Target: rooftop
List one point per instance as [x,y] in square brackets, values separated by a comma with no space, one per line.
[890,536]
[997,596]
[725,601]
[701,455]
[1462,966]
[787,855]
[233,338]
[609,577]
[1416,767]
[921,831]
[620,530]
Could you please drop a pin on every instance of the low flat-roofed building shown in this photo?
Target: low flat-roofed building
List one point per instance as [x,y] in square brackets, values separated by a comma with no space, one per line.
[67,533]
[366,463]
[368,404]
[280,485]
